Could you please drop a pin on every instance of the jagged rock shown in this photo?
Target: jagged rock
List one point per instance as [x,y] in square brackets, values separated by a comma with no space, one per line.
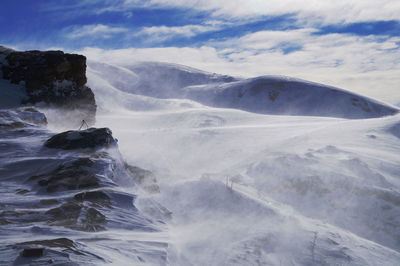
[52,78]
[90,138]
[39,69]
[77,216]
[69,176]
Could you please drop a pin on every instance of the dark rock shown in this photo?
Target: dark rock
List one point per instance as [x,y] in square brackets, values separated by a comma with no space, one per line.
[77,216]
[32,252]
[96,197]
[52,243]
[89,138]
[53,78]
[57,252]
[40,69]
[69,176]
[21,216]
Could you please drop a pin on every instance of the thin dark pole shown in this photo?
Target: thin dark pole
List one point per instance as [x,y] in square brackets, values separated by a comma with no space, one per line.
[83,124]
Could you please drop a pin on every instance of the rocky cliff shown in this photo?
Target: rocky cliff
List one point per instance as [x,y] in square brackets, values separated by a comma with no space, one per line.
[50,79]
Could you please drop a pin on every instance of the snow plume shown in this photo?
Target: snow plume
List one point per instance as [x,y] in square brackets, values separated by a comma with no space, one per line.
[247,189]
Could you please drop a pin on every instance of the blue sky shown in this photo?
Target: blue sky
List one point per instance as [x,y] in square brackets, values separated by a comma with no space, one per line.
[72,24]
[353,44]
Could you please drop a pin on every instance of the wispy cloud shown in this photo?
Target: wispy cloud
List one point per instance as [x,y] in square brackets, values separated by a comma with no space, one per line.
[162,33]
[93,31]
[308,11]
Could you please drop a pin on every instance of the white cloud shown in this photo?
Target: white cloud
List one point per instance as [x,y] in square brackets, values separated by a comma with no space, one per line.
[368,65]
[95,30]
[162,33]
[314,11]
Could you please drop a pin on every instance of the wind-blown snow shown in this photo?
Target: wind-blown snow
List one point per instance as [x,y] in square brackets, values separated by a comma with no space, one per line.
[255,189]
[264,95]
[238,186]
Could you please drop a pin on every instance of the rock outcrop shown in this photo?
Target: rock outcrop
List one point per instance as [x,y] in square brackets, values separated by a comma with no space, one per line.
[82,139]
[51,78]
[72,175]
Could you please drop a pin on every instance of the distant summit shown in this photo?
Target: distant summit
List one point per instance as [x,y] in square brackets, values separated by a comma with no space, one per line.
[274,95]
[288,96]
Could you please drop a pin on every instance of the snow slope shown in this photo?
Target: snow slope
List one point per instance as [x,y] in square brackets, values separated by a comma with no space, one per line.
[288,96]
[236,187]
[264,95]
[161,80]
[255,189]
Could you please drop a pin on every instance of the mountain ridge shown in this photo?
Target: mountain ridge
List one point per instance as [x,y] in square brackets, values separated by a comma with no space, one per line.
[273,95]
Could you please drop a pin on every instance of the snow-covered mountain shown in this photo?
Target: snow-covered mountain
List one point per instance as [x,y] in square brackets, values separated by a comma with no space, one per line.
[155,79]
[246,188]
[237,183]
[264,95]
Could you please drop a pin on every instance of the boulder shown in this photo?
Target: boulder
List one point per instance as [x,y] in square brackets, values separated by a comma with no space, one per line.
[51,78]
[73,175]
[91,138]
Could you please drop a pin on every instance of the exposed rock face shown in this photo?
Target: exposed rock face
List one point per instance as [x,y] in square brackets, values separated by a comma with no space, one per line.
[52,78]
[83,139]
[77,216]
[69,176]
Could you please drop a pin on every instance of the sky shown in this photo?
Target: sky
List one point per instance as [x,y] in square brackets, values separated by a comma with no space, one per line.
[352,44]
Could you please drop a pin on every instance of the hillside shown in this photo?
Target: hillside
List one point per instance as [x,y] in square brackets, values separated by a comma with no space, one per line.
[264,95]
